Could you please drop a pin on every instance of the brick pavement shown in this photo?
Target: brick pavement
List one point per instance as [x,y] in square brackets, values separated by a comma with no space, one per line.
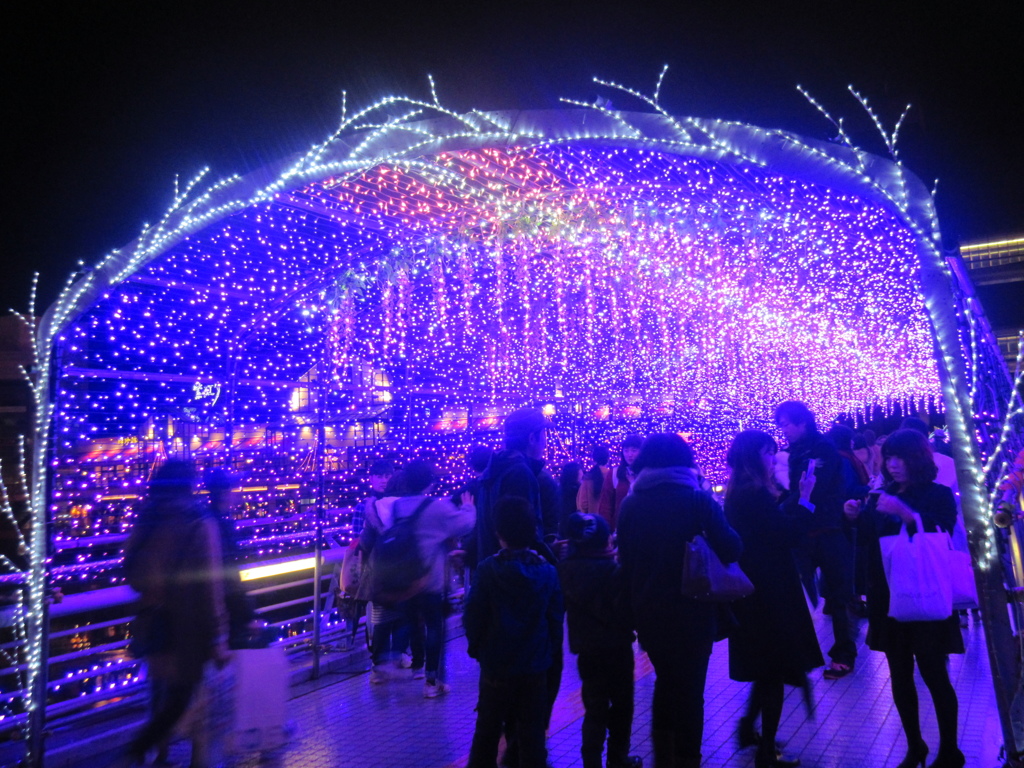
[347,722]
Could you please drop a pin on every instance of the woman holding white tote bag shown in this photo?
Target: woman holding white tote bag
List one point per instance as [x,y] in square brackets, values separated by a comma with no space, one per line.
[911,491]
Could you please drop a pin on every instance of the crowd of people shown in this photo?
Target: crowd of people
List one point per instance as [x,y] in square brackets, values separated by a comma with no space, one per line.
[602,550]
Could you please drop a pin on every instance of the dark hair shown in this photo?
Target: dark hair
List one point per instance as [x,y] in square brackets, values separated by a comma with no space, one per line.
[869,437]
[911,446]
[601,456]
[796,412]
[382,468]
[172,478]
[630,441]
[520,424]
[841,437]
[172,482]
[397,485]
[570,474]
[478,457]
[916,424]
[859,442]
[514,522]
[665,449]
[744,459]
[588,533]
[218,482]
[418,477]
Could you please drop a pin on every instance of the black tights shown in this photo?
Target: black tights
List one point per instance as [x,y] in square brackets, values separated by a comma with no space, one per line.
[766,697]
[904,694]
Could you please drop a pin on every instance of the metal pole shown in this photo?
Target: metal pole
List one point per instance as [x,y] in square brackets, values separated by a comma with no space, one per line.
[318,543]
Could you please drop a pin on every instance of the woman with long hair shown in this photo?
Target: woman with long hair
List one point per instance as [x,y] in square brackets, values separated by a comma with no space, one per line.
[909,471]
[664,511]
[774,644]
[614,492]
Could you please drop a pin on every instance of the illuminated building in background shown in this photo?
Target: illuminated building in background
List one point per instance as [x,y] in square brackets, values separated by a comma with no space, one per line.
[997,271]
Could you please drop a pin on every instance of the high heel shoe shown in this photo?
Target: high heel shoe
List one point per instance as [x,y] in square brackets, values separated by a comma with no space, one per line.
[748,736]
[948,759]
[916,755]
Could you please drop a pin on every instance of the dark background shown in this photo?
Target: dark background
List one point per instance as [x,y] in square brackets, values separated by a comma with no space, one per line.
[104,102]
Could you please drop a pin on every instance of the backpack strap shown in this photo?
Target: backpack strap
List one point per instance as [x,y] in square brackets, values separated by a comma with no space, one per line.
[419,510]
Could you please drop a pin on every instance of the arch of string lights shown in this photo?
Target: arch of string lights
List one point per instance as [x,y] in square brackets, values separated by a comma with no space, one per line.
[407,281]
[625,276]
[626,282]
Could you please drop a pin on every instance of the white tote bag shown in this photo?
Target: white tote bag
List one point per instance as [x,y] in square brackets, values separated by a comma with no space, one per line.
[917,570]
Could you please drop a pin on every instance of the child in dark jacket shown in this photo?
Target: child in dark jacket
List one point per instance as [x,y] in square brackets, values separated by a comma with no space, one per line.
[513,620]
[600,635]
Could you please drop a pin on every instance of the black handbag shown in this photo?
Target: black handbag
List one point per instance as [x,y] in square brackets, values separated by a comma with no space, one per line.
[705,578]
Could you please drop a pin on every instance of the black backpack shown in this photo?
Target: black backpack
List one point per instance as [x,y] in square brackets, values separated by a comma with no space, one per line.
[396,567]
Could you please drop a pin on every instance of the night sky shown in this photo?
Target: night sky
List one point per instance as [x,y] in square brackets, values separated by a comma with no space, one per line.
[105,102]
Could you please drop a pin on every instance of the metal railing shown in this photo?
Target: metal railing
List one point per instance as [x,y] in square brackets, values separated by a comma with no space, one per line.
[103,674]
[995,254]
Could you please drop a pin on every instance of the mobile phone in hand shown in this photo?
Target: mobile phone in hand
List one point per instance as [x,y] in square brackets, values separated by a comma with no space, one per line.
[871,497]
[811,466]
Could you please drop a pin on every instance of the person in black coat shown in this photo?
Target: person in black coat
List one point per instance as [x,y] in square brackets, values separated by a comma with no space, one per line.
[829,547]
[663,512]
[601,636]
[910,471]
[774,643]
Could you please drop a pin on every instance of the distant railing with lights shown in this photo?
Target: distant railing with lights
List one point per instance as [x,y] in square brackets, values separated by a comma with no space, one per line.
[994,254]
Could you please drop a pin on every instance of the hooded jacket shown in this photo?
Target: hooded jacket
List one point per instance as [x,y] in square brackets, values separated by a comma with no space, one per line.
[513,614]
[594,596]
[512,473]
[440,521]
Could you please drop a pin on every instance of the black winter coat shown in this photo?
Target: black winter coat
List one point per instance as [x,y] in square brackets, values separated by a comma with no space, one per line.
[592,587]
[508,474]
[827,495]
[663,512]
[775,637]
[513,614]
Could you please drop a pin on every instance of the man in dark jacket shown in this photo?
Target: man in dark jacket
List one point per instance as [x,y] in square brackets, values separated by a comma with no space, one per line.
[513,620]
[517,471]
[601,636]
[829,548]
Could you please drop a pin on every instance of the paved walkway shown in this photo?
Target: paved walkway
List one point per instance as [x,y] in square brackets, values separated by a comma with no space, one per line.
[347,722]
